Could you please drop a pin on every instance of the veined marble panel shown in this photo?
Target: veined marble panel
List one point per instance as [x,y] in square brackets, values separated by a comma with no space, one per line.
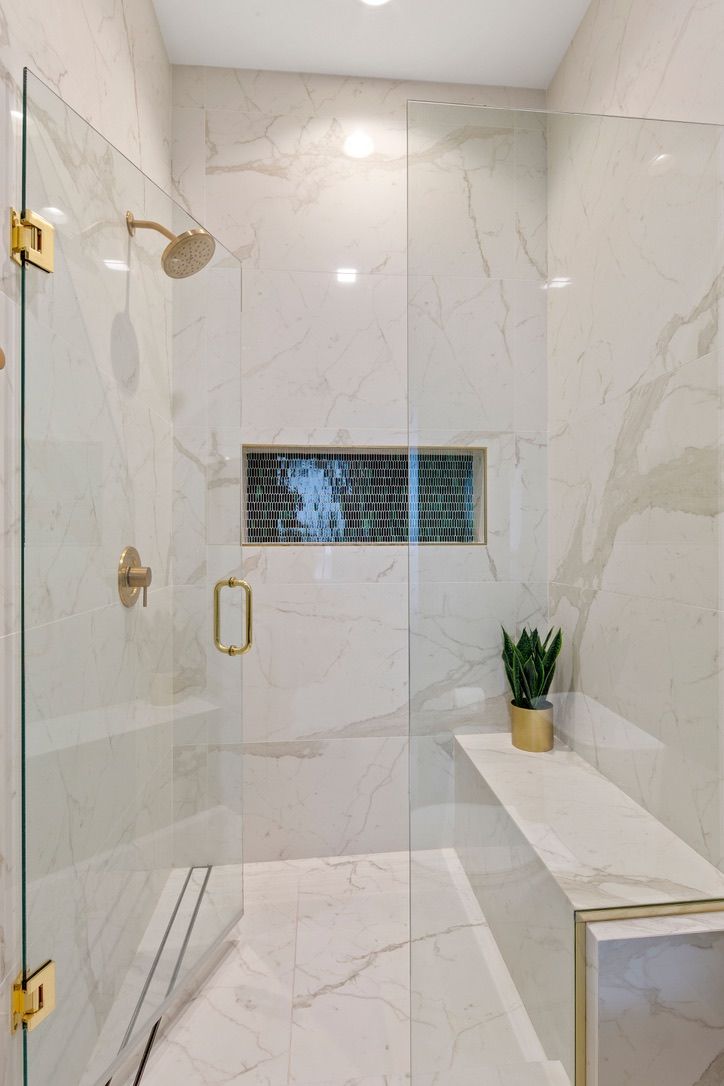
[645,300]
[656,741]
[98,475]
[325,564]
[293,93]
[10,473]
[456,671]
[466,1012]
[188,158]
[10,781]
[361,997]
[634,493]
[279,192]
[314,989]
[325,798]
[223,494]
[125,92]
[477,351]
[323,353]
[641,59]
[655,1001]
[542,836]
[477,193]
[330,660]
[517,500]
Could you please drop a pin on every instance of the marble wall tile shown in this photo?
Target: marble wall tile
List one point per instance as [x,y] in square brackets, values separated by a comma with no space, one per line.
[125,93]
[517,501]
[645,302]
[467,1017]
[644,59]
[223,487]
[188,159]
[323,353]
[10,781]
[224,369]
[370,934]
[459,630]
[325,798]
[279,192]
[277,566]
[653,739]
[477,193]
[10,474]
[455,648]
[655,1001]
[634,249]
[322,435]
[634,491]
[462,352]
[293,93]
[329,661]
[529,917]
[190,480]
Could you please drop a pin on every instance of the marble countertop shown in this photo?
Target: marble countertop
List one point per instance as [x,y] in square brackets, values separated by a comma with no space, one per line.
[603,849]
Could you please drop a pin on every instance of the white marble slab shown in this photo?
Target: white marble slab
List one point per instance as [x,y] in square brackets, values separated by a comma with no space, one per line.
[315,990]
[543,835]
[655,1001]
[601,848]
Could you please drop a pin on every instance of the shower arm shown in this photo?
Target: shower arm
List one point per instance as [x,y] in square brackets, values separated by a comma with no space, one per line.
[134,224]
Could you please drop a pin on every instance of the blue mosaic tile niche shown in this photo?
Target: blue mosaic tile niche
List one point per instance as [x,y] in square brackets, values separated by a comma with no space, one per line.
[364,495]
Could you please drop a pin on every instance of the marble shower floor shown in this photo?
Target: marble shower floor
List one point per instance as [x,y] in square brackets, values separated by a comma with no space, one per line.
[315,989]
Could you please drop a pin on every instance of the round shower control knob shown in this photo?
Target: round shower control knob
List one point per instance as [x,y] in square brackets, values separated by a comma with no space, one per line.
[132,578]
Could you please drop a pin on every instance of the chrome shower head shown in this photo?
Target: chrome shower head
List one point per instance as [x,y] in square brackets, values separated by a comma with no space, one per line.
[186,253]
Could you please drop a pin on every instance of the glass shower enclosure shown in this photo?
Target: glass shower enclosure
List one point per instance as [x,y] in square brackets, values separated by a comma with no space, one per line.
[131,717]
[563,315]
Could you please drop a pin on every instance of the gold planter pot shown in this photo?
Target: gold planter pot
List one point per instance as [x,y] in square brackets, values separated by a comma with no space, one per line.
[532,729]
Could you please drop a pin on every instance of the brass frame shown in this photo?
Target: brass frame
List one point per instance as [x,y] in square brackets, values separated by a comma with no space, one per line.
[481,449]
[584,917]
[233,650]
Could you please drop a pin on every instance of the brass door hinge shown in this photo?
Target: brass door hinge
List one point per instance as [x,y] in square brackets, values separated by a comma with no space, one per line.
[34,999]
[32,240]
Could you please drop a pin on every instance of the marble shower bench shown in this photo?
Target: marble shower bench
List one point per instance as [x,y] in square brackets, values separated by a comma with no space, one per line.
[549,845]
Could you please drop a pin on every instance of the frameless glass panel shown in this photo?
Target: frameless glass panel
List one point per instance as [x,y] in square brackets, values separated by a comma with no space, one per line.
[564,285]
[132,720]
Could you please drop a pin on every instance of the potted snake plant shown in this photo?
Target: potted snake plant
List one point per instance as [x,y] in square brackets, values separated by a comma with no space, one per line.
[530,665]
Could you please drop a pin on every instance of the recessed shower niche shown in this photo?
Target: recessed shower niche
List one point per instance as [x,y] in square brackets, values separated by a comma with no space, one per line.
[364,496]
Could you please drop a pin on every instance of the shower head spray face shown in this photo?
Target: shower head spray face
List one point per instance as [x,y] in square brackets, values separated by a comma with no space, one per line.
[188,253]
[185,254]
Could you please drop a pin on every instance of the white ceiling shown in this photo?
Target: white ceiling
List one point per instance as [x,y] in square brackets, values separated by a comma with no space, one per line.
[514,42]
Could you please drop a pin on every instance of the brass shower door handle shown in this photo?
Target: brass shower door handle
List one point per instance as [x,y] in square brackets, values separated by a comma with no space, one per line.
[233,650]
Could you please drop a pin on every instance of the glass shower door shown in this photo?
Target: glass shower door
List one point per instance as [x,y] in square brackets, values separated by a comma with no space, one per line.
[132,719]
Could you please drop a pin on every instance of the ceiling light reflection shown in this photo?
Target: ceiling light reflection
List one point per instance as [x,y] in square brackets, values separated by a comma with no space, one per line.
[359,145]
[116,265]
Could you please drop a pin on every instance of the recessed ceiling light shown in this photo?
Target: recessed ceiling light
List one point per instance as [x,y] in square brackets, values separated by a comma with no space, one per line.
[375,3]
[359,145]
[346,275]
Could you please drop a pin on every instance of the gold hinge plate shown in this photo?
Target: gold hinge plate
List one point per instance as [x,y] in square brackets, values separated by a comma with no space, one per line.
[34,998]
[32,240]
